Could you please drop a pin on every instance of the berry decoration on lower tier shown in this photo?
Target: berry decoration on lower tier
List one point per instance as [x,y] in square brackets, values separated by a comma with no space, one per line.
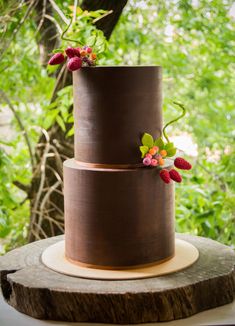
[165,175]
[155,151]
[76,57]
[175,175]
[182,164]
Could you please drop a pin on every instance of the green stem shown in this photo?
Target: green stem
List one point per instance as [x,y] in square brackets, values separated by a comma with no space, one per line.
[172,121]
[65,31]
[73,19]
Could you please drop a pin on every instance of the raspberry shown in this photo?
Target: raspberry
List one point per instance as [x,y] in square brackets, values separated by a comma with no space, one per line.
[182,164]
[74,63]
[147,161]
[163,152]
[165,176]
[175,175]
[70,52]
[77,51]
[56,59]
[154,162]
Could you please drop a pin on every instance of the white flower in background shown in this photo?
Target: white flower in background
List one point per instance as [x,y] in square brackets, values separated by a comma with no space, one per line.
[185,143]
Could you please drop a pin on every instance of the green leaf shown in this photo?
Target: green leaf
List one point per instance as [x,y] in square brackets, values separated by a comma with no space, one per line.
[51,69]
[60,122]
[7,143]
[91,40]
[58,50]
[50,118]
[206,226]
[171,152]
[169,146]
[53,105]
[147,140]
[70,119]
[159,143]
[144,150]
[70,132]
[4,231]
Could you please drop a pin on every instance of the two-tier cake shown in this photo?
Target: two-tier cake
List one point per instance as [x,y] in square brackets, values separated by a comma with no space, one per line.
[118,213]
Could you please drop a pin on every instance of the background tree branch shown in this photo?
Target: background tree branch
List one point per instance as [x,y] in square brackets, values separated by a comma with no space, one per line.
[54,141]
[107,23]
[47,30]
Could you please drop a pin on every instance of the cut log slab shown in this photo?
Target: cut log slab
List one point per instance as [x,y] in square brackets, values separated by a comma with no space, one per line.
[37,291]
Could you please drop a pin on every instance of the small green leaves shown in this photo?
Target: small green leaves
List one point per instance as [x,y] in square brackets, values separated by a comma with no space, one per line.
[147,140]
[144,150]
[159,143]
[148,143]
[171,152]
[169,146]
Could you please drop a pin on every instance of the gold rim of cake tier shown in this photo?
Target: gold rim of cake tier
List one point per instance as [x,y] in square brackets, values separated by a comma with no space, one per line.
[108,267]
[109,166]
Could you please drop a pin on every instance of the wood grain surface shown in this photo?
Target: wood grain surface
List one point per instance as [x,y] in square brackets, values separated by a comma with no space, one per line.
[39,292]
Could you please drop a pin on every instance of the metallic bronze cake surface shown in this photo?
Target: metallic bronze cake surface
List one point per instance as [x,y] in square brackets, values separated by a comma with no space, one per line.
[117,213]
[117,217]
[113,107]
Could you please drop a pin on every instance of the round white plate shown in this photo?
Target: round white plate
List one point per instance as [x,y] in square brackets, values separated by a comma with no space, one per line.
[54,258]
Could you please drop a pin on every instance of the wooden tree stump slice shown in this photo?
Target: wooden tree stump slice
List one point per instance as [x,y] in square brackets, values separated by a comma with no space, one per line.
[35,290]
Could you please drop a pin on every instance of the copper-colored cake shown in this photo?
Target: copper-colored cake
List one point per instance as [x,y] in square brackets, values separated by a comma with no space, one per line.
[117,212]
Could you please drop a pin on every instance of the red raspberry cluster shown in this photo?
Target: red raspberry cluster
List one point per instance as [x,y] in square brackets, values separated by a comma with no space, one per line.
[174,175]
[154,157]
[77,57]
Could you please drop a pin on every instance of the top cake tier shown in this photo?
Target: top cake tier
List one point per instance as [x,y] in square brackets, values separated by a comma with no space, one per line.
[113,107]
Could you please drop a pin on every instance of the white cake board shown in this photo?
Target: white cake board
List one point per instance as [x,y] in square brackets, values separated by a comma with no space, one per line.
[54,258]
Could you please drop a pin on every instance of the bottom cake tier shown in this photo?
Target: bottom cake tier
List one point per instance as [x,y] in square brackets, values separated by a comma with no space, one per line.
[117,218]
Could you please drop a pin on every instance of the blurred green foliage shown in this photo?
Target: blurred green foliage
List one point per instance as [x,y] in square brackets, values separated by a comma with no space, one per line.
[194,43]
